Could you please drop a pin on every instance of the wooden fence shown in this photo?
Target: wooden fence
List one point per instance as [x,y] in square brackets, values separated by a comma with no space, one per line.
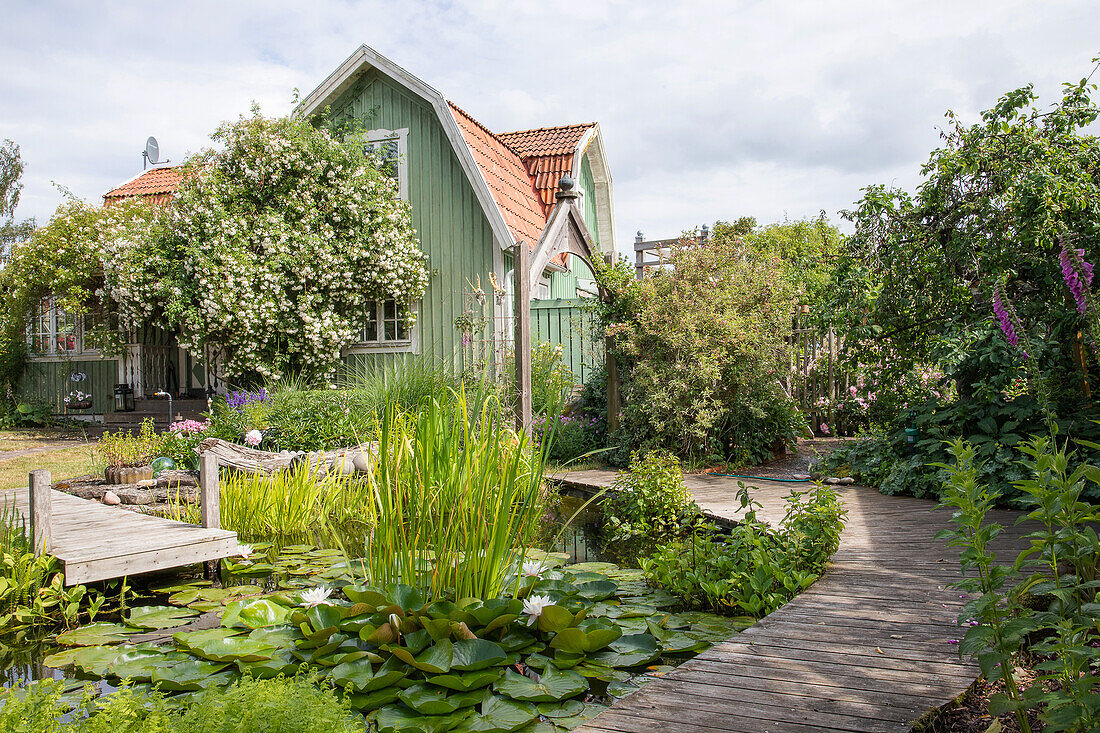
[568,323]
[817,377]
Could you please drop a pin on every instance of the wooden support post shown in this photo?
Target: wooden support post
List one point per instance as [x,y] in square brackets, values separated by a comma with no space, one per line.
[208,483]
[521,272]
[41,510]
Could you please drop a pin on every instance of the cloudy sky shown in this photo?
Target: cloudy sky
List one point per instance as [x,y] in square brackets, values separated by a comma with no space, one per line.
[710,110]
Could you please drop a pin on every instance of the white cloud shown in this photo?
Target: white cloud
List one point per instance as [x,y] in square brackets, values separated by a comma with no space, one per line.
[710,110]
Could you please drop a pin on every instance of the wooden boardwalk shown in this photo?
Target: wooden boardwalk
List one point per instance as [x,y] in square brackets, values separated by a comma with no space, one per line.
[98,542]
[866,648]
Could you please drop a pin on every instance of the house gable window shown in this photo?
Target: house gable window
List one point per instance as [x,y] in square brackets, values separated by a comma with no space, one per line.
[53,332]
[388,328]
[390,150]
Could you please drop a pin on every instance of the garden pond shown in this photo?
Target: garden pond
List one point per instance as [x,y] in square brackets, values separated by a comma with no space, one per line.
[576,636]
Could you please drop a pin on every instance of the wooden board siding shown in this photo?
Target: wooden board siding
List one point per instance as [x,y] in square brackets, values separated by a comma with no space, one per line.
[587,186]
[568,323]
[449,221]
[51,381]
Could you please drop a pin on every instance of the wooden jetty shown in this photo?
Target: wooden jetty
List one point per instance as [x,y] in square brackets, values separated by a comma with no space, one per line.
[871,646]
[98,542]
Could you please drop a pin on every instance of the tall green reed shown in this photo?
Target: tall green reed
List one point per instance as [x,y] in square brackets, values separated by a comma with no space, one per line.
[296,505]
[457,496]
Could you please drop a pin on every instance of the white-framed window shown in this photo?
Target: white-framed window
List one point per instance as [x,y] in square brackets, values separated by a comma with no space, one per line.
[390,150]
[54,332]
[389,327]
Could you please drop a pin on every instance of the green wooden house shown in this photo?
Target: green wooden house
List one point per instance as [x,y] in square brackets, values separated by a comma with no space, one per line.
[475,195]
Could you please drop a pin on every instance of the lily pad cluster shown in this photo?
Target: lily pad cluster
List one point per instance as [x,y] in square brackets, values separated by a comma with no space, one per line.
[570,641]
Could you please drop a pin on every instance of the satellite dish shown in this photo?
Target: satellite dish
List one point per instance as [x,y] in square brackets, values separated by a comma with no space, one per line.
[152,150]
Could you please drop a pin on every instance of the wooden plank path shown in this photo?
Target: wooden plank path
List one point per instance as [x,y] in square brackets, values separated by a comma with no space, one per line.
[866,648]
[98,542]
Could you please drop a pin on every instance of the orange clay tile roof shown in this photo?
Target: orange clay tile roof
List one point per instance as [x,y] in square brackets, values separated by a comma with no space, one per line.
[547,153]
[508,180]
[156,185]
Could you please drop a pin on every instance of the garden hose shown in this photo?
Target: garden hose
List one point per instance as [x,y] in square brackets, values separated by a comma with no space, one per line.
[762,478]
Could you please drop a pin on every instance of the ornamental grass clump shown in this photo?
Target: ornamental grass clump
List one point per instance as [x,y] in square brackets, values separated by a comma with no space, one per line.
[455,498]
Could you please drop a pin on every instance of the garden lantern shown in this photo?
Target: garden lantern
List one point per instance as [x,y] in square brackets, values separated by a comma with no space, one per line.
[124,398]
[912,433]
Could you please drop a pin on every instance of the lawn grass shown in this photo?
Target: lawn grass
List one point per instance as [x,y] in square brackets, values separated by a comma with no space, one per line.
[62,463]
[24,438]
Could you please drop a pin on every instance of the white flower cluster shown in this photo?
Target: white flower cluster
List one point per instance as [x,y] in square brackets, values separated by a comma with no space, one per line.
[271,251]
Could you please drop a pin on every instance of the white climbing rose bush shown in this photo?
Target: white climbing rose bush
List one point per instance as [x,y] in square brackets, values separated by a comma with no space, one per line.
[274,246]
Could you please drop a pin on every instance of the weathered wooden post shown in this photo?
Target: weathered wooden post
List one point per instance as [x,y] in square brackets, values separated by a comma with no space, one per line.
[41,509]
[639,255]
[521,273]
[208,484]
[614,384]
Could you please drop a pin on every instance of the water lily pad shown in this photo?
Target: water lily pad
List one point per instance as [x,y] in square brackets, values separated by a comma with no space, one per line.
[632,650]
[591,637]
[185,675]
[255,613]
[594,567]
[621,689]
[374,700]
[553,685]
[94,660]
[95,634]
[473,654]
[224,645]
[555,618]
[436,659]
[563,709]
[399,718]
[590,711]
[466,681]
[138,663]
[159,617]
[498,715]
[597,590]
[282,662]
[361,676]
[430,700]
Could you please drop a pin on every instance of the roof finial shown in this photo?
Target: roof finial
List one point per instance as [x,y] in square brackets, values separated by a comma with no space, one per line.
[567,188]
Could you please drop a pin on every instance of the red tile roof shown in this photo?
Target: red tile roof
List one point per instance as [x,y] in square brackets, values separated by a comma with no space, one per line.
[547,153]
[511,185]
[156,185]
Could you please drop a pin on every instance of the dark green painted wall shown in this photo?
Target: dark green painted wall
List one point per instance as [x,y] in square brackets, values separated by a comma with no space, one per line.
[51,381]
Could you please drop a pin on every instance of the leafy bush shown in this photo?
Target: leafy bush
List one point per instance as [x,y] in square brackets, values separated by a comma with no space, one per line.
[279,705]
[32,589]
[1062,556]
[648,503]
[700,348]
[573,434]
[26,412]
[754,569]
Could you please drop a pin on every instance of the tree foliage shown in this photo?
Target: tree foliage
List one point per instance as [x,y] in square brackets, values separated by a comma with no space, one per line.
[267,258]
[999,200]
[702,346]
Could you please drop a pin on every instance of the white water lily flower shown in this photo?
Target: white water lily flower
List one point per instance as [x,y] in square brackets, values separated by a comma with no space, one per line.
[533,569]
[533,607]
[244,550]
[315,596]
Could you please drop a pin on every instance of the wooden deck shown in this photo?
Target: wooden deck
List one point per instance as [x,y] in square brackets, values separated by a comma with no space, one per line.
[98,542]
[866,648]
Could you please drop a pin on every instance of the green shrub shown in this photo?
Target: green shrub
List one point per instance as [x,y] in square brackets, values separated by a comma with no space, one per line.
[754,569]
[279,705]
[700,348]
[648,503]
